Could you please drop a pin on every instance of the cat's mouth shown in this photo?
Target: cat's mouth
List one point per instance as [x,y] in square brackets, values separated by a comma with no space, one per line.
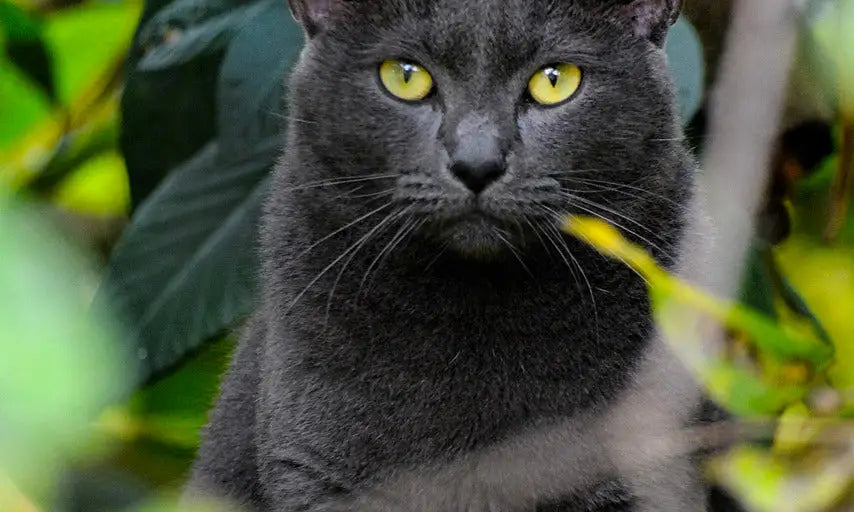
[476,234]
[487,226]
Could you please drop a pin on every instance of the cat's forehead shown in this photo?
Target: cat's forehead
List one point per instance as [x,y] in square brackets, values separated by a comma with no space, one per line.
[501,34]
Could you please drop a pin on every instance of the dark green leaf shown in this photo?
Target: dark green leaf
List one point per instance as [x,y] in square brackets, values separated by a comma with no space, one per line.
[251,92]
[185,30]
[206,282]
[156,135]
[685,55]
[16,23]
[757,287]
[764,280]
[26,48]
[184,269]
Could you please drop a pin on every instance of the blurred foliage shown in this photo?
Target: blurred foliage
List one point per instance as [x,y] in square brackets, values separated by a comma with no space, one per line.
[765,369]
[173,127]
[61,365]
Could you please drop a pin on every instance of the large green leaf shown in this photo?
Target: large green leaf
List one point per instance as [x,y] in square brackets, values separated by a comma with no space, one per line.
[250,102]
[156,135]
[184,269]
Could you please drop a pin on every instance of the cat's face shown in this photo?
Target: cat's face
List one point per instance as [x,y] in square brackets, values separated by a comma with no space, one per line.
[482,121]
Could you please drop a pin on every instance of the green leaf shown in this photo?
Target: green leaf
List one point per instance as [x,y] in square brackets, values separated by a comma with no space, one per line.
[757,288]
[685,56]
[740,390]
[26,48]
[17,24]
[250,102]
[184,269]
[158,136]
[186,30]
[34,59]
[97,188]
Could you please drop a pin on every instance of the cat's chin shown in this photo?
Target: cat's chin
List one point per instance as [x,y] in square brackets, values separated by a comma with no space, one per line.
[477,237]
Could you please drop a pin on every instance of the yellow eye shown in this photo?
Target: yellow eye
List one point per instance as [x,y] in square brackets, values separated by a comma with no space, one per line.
[555,83]
[407,81]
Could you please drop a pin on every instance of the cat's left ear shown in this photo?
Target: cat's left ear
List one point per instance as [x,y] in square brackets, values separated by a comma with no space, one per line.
[313,14]
[650,19]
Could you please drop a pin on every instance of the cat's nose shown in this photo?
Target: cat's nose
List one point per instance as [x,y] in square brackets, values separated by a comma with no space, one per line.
[477,174]
[477,152]
[478,160]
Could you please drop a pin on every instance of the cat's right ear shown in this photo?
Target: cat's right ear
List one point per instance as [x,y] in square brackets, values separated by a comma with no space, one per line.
[649,19]
[312,14]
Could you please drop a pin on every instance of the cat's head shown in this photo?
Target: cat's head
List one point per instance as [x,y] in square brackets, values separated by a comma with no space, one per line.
[478,122]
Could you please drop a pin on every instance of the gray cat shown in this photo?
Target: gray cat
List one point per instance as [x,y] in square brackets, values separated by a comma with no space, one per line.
[421,309]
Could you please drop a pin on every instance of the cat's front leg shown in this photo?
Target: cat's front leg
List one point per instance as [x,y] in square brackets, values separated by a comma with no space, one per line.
[225,465]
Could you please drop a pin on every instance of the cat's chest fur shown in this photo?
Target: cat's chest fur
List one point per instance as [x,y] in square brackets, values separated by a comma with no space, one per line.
[425,367]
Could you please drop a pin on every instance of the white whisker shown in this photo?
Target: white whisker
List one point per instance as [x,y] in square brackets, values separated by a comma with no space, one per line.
[560,237]
[380,227]
[513,250]
[408,226]
[352,249]
[344,228]
[593,204]
[339,181]
[607,184]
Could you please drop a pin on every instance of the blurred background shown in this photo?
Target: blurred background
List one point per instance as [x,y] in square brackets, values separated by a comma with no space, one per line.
[135,143]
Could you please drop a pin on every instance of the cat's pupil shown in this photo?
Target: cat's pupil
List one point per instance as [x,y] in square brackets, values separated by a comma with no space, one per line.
[552,74]
[408,71]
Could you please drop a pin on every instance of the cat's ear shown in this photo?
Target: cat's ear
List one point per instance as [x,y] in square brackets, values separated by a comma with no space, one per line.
[313,14]
[649,19]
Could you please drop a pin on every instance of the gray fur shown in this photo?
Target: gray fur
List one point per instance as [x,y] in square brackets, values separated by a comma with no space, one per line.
[409,323]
